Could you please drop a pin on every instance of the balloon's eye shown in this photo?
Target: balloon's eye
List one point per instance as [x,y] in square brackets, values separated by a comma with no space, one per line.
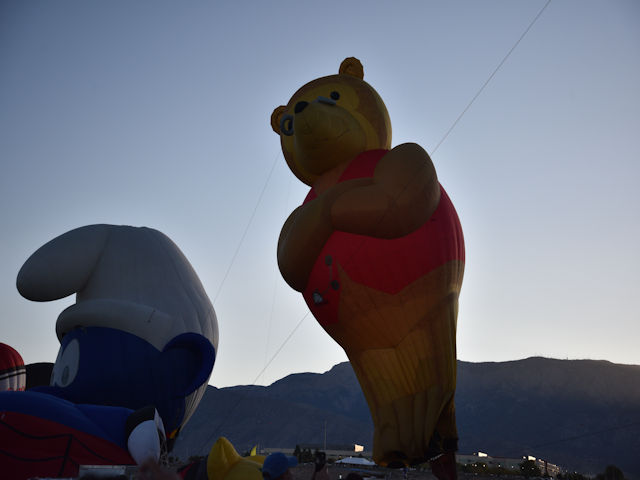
[335,95]
[286,125]
[66,366]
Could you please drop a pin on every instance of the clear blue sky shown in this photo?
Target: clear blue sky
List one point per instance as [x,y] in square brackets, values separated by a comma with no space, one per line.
[156,113]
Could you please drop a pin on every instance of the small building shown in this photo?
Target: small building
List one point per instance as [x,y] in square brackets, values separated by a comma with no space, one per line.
[513,464]
[332,451]
[489,460]
[545,467]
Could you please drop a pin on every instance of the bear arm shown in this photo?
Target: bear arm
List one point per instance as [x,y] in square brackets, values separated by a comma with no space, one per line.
[403,195]
[301,240]
[306,231]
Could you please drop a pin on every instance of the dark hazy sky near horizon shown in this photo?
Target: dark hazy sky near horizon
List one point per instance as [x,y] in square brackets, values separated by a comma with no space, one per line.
[156,113]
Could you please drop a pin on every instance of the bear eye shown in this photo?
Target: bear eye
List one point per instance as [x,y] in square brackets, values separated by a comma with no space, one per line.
[335,95]
[286,125]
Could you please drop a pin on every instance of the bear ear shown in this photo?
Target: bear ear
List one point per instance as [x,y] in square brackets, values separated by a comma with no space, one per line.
[276,116]
[352,66]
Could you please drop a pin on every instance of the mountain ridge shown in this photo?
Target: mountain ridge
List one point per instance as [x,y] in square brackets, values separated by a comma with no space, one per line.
[579,414]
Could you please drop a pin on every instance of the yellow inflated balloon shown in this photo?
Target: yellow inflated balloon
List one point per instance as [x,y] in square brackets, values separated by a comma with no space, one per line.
[377,251]
[224,463]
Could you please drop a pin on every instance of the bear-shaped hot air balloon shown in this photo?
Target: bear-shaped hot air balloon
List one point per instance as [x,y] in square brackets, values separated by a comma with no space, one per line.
[136,351]
[377,251]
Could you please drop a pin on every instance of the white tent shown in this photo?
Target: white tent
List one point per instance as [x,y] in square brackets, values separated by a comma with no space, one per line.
[356,461]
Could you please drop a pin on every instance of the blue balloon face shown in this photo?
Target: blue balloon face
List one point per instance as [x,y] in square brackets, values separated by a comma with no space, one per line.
[104,366]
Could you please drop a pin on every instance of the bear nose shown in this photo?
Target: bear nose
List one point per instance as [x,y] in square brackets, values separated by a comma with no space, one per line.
[300,106]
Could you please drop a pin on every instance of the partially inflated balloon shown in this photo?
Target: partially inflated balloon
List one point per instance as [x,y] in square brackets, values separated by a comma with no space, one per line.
[12,369]
[224,463]
[142,330]
[136,350]
[377,251]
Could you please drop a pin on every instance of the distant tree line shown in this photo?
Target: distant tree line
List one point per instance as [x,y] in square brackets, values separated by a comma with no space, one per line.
[572,476]
[611,473]
[304,455]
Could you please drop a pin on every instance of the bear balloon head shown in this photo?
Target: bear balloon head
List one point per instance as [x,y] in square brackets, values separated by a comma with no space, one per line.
[330,120]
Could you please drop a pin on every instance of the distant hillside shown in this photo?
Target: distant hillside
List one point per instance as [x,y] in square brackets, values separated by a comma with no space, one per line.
[580,414]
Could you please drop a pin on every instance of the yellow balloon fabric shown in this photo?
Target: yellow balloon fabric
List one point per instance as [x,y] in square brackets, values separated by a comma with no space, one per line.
[224,463]
[377,251]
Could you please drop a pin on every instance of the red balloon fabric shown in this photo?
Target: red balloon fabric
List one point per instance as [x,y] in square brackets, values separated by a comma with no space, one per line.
[13,374]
